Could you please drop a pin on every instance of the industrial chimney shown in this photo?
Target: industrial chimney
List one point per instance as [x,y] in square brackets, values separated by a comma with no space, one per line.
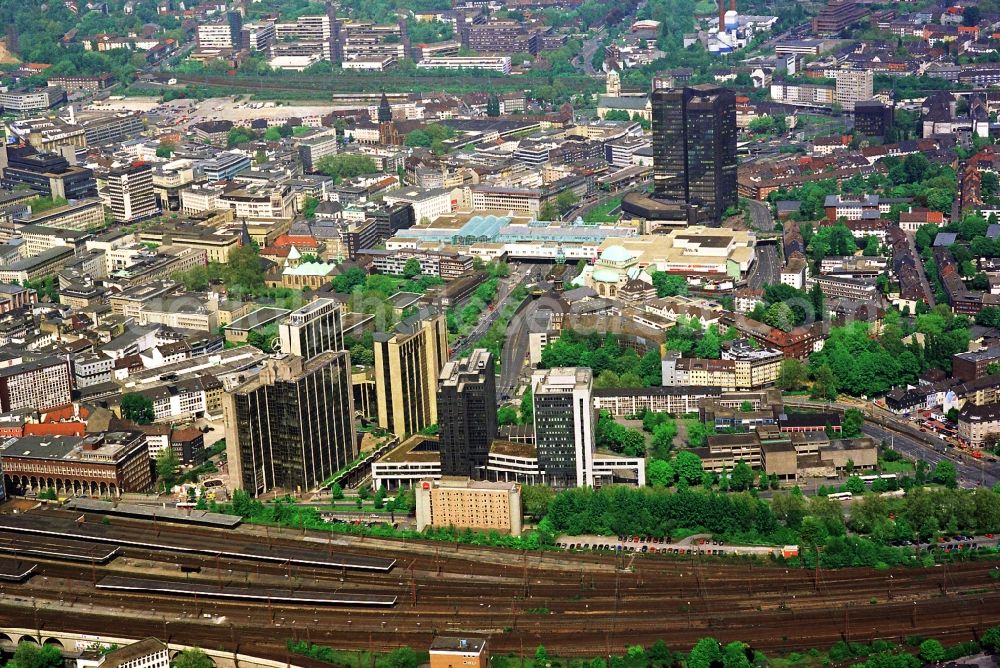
[722,15]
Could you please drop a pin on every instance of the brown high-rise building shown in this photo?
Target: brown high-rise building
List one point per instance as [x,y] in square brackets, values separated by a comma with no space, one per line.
[407,364]
[838,15]
[694,148]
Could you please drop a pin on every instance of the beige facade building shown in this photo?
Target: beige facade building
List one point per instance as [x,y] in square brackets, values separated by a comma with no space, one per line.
[407,363]
[467,504]
[853,86]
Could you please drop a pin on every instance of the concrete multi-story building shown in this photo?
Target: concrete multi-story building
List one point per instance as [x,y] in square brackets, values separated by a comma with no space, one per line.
[408,362]
[853,86]
[463,503]
[81,84]
[45,264]
[803,95]
[260,203]
[742,367]
[83,214]
[977,424]
[313,149]
[971,366]
[448,266]
[216,36]
[501,198]
[106,464]
[499,64]
[466,408]
[564,425]
[292,425]
[39,238]
[130,189]
[30,100]
[846,287]
[37,385]
[46,173]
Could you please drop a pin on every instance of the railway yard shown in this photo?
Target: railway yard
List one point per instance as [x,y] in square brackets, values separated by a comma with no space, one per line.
[253,589]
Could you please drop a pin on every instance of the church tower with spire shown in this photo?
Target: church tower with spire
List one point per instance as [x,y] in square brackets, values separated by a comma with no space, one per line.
[387,133]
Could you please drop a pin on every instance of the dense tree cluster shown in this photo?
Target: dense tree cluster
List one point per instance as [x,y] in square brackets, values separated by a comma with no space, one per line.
[657,512]
[854,362]
[346,166]
[613,436]
[603,353]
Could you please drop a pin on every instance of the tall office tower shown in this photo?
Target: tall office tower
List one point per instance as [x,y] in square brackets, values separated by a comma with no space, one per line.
[292,425]
[467,413]
[235,22]
[131,191]
[312,329]
[853,86]
[407,364]
[564,425]
[694,148]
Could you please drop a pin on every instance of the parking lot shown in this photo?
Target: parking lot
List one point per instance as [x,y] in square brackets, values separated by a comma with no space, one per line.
[701,544]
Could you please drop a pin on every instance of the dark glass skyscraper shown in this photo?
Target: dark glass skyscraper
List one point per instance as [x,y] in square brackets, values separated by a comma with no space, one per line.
[694,148]
[292,426]
[467,413]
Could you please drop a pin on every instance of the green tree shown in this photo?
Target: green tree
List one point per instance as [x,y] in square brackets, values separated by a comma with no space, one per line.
[855,485]
[854,419]
[741,478]
[192,657]
[137,408]
[791,374]
[669,285]
[239,136]
[336,491]
[688,467]
[659,653]
[990,640]
[493,106]
[824,384]
[780,316]
[705,654]
[536,500]
[167,462]
[566,200]
[506,415]
[541,656]
[816,298]
[527,407]
[30,655]
[346,166]
[244,274]
[659,473]
[411,268]
[945,474]
[932,651]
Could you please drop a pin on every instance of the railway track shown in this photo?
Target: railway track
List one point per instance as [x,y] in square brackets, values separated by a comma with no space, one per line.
[575,604]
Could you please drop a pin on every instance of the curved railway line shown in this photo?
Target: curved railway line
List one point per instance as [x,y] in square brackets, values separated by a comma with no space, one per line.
[574,604]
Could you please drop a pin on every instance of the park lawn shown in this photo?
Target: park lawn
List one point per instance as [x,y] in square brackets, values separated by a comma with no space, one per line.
[902,466]
[602,213]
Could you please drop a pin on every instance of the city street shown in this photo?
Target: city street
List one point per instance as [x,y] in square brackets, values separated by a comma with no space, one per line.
[760,214]
[768,269]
